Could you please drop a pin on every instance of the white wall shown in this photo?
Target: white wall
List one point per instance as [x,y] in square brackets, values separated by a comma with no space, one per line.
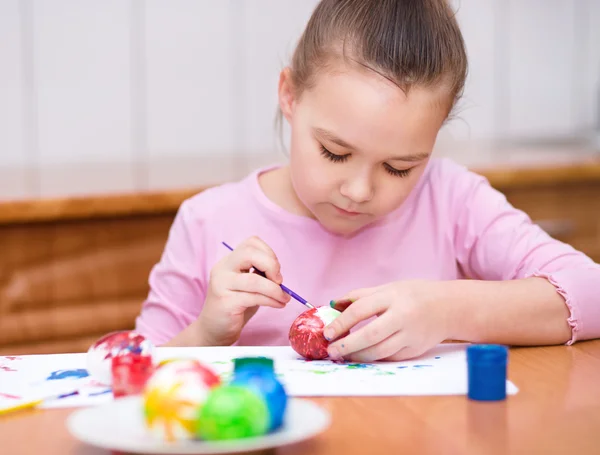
[123,95]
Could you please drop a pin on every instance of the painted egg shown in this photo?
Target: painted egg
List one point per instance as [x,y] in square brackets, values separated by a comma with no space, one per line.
[258,375]
[306,332]
[100,354]
[232,412]
[174,396]
[130,373]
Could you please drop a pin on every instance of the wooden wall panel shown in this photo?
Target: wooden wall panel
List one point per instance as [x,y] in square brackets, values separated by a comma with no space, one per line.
[62,282]
[569,212]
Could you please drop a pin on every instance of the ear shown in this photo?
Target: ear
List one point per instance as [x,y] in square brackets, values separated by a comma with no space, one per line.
[286,93]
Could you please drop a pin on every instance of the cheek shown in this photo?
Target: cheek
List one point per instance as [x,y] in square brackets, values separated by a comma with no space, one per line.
[391,200]
[309,170]
[395,192]
[310,182]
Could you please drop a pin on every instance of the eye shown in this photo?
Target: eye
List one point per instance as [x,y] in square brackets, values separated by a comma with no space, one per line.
[332,156]
[397,172]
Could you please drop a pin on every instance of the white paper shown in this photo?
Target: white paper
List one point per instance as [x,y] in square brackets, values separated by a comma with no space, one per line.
[442,371]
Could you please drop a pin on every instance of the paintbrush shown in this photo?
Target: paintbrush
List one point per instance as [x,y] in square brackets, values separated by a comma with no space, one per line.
[285,288]
[34,403]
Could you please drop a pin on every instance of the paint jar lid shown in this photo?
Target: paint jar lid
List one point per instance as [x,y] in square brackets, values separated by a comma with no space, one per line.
[487,365]
[256,362]
[493,353]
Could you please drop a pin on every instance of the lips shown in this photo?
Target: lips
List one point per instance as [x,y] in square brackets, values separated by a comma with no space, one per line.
[346,212]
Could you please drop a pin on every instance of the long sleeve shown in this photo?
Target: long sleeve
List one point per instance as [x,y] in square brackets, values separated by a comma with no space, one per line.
[177,290]
[495,241]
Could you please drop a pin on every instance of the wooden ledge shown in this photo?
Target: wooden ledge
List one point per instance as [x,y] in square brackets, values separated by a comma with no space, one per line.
[507,177]
[94,206]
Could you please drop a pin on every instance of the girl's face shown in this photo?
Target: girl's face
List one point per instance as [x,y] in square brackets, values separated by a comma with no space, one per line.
[359,144]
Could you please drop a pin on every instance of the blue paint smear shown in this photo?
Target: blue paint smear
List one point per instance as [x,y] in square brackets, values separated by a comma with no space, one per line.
[401,367]
[68,394]
[65,374]
[421,366]
[102,392]
[438,357]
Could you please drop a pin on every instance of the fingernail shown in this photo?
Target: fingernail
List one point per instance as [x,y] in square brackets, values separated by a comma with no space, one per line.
[333,352]
[328,334]
[279,277]
[340,304]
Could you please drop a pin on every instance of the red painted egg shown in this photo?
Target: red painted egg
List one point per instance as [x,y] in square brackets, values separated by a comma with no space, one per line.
[100,355]
[306,332]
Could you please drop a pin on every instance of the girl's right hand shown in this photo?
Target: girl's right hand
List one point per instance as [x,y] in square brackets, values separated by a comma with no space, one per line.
[234,295]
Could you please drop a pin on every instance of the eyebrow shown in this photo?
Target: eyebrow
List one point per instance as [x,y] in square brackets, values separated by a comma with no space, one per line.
[342,143]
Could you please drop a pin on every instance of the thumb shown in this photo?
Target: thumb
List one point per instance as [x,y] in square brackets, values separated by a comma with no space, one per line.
[249,313]
[351,297]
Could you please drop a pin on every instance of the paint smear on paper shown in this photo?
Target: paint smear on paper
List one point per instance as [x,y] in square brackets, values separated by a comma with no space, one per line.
[358,366]
[68,374]
[102,392]
[385,373]
[9,396]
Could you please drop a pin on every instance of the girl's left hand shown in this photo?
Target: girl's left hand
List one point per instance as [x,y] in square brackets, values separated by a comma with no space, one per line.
[410,322]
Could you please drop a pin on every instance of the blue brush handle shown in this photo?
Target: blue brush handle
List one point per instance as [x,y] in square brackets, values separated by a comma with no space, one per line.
[285,288]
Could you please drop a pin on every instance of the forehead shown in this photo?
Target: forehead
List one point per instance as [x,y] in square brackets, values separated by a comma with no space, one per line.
[368,110]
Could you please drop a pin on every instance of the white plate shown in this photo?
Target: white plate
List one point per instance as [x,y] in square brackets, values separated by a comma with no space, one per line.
[119,425]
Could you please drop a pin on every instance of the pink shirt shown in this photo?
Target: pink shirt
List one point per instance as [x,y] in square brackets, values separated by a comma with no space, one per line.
[453,225]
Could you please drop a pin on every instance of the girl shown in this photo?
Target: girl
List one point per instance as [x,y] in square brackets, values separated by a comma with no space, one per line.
[420,250]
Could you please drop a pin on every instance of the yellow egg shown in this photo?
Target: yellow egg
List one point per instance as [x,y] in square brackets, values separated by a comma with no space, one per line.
[173,398]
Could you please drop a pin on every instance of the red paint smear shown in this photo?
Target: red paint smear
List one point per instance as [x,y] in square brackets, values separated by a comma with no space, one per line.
[12,357]
[94,383]
[12,397]
[5,368]
[122,340]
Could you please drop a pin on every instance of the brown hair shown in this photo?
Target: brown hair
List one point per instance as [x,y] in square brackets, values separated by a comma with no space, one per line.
[409,42]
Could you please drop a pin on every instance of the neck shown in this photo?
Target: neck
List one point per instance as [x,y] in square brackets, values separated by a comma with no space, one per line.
[277,186]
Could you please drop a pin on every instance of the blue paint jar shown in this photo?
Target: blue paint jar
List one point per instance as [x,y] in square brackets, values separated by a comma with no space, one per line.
[258,374]
[487,372]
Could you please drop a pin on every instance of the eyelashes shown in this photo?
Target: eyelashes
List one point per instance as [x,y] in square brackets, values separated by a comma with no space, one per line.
[332,156]
[397,172]
[342,158]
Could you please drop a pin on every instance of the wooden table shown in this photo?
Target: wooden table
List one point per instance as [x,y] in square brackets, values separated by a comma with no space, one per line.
[557,410]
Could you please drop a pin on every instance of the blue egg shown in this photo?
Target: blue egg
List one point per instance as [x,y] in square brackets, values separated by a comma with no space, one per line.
[258,375]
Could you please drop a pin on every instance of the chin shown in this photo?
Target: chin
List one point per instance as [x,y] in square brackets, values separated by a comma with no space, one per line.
[341,227]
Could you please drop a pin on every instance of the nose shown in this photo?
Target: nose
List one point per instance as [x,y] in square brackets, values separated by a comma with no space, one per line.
[358,188]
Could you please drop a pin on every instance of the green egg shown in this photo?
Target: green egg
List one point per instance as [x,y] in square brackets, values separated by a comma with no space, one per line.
[232,412]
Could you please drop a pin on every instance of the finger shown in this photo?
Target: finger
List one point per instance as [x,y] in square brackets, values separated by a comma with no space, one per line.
[254,300]
[261,245]
[359,311]
[406,353]
[370,335]
[384,349]
[351,297]
[257,242]
[249,313]
[249,256]
[341,305]
[252,283]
